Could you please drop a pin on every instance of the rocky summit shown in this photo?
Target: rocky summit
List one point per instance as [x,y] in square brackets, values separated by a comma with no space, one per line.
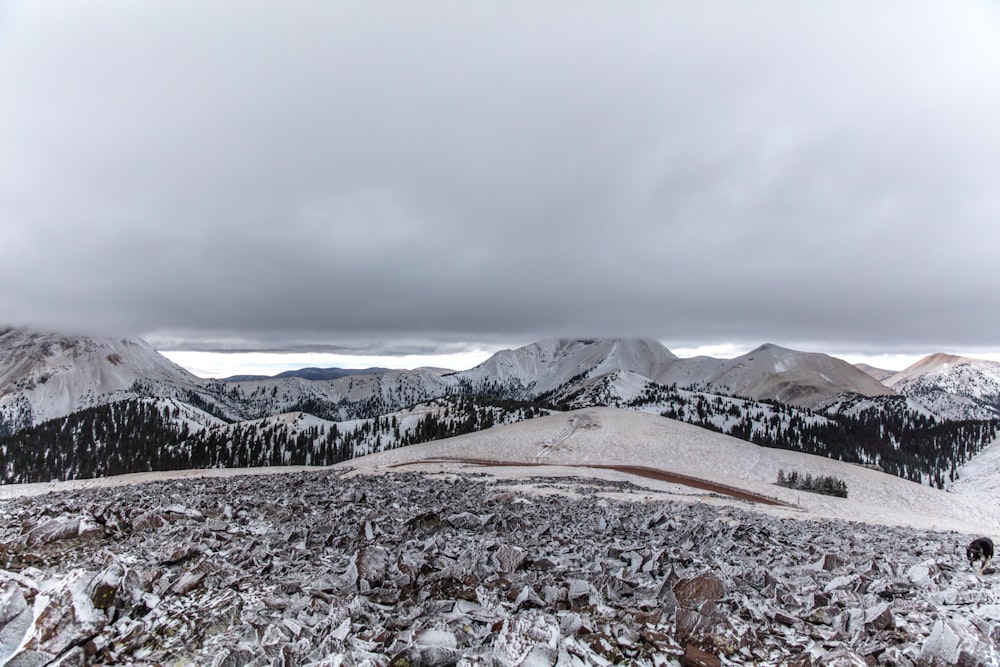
[332,568]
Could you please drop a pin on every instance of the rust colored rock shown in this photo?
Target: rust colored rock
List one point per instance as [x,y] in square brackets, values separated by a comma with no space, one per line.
[693,593]
[53,531]
[148,521]
[695,657]
[880,618]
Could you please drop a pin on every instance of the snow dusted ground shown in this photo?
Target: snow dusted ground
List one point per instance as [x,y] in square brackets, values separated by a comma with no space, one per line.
[566,442]
[980,477]
[10,491]
[625,437]
[371,563]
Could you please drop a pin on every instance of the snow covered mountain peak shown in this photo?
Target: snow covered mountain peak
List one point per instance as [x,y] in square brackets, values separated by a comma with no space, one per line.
[45,375]
[554,348]
[781,358]
[937,363]
[550,363]
[804,379]
[951,386]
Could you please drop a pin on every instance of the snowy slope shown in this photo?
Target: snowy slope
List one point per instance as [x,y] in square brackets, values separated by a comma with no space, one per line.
[952,387]
[802,379]
[48,375]
[186,415]
[566,443]
[371,394]
[549,364]
[980,477]
[608,436]
[879,374]
[617,389]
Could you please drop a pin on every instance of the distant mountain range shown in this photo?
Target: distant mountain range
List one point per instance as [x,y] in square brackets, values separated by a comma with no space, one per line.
[46,376]
[310,373]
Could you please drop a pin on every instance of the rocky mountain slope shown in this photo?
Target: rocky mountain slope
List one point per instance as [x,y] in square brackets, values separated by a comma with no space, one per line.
[551,364]
[879,374]
[808,380]
[48,375]
[348,397]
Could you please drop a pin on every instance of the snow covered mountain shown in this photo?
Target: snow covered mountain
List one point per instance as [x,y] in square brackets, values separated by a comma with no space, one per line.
[801,379]
[349,397]
[89,388]
[46,375]
[550,364]
[952,387]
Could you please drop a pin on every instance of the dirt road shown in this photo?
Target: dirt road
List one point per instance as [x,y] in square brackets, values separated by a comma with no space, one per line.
[639,471]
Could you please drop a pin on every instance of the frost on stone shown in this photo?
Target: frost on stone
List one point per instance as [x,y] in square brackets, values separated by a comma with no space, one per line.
[15,619]
[527,640]
[63,617]
[322,568]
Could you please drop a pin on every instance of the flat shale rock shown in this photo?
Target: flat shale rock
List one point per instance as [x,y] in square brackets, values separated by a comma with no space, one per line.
[699,593]
[321,568]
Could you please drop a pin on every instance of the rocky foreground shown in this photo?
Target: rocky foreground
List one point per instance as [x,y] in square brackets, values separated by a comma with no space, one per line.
[323,568]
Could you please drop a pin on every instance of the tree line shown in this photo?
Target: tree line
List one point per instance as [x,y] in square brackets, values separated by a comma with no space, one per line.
[144,435]
[825,484]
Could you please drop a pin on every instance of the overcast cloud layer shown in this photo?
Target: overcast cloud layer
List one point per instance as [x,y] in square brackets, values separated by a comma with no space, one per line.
[809,173]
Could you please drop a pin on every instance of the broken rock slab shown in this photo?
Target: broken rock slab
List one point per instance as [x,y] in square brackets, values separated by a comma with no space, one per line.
[322,568]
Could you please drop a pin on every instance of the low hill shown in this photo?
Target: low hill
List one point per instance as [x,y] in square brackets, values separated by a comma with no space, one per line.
[582,441]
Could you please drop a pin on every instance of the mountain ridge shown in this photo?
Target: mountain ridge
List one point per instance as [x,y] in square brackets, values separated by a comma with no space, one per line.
[46,375]
[772,395]
[772,372]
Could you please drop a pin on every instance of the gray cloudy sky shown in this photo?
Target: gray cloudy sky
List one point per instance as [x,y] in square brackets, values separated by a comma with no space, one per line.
[406,175]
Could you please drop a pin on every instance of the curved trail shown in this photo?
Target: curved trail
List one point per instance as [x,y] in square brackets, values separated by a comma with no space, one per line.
[639,471]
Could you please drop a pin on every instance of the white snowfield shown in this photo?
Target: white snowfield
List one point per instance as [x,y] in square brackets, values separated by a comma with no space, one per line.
[610,436]
[980,477]
[565,444]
